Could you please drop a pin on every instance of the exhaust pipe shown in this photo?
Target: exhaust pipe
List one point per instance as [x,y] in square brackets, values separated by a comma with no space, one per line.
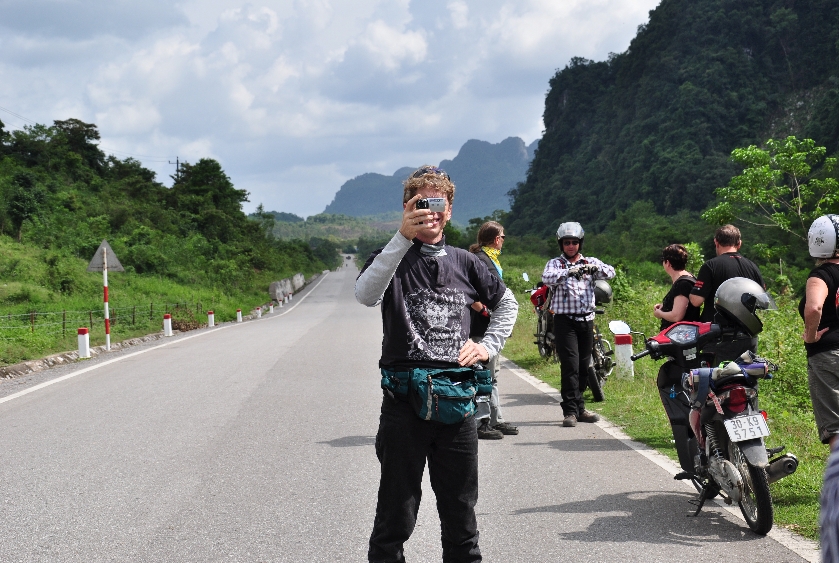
[781,467]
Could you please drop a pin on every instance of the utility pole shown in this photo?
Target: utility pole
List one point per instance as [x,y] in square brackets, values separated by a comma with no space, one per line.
[177,168]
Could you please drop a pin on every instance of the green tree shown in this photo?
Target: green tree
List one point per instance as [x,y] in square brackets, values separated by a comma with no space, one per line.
[784,186]
[25,201]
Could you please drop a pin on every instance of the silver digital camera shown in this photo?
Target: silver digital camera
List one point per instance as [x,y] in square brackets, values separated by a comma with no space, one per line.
[435,204]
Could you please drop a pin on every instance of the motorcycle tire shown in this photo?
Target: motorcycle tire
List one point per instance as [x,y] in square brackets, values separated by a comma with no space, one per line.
[541,339]
[756,504]
[607,363]
[595,383]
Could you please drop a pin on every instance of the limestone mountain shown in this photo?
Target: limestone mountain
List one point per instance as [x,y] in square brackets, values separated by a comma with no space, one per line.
[658,122]
[483,174]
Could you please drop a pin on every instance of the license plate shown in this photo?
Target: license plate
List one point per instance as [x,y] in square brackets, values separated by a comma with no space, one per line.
[746,427]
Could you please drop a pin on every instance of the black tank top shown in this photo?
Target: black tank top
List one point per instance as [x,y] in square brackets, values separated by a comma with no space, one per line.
[829,274]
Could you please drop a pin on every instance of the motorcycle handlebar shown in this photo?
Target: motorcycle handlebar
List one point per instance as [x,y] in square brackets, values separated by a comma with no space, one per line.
[639,355]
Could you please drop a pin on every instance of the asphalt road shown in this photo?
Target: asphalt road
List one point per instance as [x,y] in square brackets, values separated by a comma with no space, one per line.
[254,442]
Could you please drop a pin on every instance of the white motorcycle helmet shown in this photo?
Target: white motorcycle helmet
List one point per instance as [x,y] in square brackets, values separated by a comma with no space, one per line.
[570,229]
[823,237]
[737,301]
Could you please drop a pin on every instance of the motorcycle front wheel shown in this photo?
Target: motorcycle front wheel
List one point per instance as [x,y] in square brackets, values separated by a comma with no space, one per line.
[756,504]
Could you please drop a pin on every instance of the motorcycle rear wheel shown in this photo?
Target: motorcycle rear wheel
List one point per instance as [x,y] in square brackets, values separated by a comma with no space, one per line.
[541,338]
[595,383]
[756,504]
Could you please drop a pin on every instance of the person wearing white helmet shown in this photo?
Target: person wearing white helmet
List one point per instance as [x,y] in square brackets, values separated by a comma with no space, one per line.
[573,276]
[821,341]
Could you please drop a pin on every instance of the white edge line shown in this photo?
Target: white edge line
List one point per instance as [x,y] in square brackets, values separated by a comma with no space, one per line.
[806,549]
[181,339]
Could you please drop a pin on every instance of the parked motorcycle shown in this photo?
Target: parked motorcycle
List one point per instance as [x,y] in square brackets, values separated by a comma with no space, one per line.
[718,428]
[602,363]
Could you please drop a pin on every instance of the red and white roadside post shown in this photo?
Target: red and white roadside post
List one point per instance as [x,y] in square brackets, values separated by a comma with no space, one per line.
[211,319]
[107,311]
[238,315]
[167,325]
[99,262]
[624,366]
[270,308]
[259,312]
[84,343]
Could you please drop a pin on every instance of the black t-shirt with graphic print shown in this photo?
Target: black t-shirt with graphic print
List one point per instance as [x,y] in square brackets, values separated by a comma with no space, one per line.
[426,307]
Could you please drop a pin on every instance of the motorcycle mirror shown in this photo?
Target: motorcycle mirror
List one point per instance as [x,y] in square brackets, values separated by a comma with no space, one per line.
[525,276]
[619,327]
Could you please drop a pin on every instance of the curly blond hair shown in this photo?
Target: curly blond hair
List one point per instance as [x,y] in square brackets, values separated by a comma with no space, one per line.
[431,176]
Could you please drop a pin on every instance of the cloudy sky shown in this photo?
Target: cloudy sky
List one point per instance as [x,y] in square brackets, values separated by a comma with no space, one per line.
[294,97]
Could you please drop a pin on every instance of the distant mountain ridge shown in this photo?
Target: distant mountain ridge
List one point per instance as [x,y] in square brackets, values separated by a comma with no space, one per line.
[483,174]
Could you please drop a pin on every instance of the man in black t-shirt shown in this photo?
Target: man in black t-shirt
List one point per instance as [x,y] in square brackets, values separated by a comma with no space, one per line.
[426,289]
[727,264]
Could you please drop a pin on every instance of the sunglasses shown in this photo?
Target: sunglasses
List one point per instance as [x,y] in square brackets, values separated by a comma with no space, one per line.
[502,236]
[570,243]
[430,170]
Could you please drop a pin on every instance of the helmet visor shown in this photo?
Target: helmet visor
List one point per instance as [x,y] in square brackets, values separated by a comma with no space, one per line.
[762,301]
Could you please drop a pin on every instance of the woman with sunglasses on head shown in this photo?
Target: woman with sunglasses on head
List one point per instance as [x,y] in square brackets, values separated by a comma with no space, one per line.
[675,307]
[573,276]
[491,424]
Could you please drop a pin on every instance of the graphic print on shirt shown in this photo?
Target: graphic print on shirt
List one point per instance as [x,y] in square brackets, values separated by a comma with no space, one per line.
[436,324]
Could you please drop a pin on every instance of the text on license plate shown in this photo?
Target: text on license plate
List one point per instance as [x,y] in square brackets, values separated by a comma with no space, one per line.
[746,427]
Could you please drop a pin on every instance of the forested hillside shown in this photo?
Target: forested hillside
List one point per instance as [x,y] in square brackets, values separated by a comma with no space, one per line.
[60,192]
[483,172]
[658,122]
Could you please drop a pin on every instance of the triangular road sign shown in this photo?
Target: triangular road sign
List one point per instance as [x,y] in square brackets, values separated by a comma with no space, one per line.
[97,262]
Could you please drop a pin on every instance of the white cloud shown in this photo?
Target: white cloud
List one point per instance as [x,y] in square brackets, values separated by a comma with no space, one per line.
[391,47]
[311,92]
[459,14]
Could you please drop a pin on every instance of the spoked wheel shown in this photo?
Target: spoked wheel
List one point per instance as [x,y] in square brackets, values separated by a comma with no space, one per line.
[756,505]
[600,368]
[595,383]
[541,338]
[608,364]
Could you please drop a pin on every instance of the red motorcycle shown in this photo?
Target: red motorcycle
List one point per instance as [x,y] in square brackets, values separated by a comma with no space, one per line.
[721,448]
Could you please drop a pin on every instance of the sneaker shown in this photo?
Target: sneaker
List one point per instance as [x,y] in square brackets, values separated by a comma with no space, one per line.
[588,416]
[570,420]
[487,433]
[506,428]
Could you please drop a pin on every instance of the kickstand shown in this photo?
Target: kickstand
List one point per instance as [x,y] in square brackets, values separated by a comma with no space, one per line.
[703,496]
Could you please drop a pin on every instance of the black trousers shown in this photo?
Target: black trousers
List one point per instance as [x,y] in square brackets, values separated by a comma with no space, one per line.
[574,340]
[403,444]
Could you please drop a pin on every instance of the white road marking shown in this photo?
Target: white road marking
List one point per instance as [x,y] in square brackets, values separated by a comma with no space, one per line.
[177,341]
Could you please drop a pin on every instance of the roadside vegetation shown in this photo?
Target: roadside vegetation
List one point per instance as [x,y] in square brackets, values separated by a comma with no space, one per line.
[185,249]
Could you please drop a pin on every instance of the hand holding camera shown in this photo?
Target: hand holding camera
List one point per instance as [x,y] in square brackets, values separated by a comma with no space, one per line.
[414,217]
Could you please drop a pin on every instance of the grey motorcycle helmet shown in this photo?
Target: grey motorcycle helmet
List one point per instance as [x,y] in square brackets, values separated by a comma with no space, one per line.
[570,229]
[602,292]
[737,301]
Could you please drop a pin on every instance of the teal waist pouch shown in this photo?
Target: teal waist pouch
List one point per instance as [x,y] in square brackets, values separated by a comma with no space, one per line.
[396,382]
[443,395]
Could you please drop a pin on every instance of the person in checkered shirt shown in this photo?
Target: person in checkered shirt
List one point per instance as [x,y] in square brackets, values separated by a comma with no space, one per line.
[572,275]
